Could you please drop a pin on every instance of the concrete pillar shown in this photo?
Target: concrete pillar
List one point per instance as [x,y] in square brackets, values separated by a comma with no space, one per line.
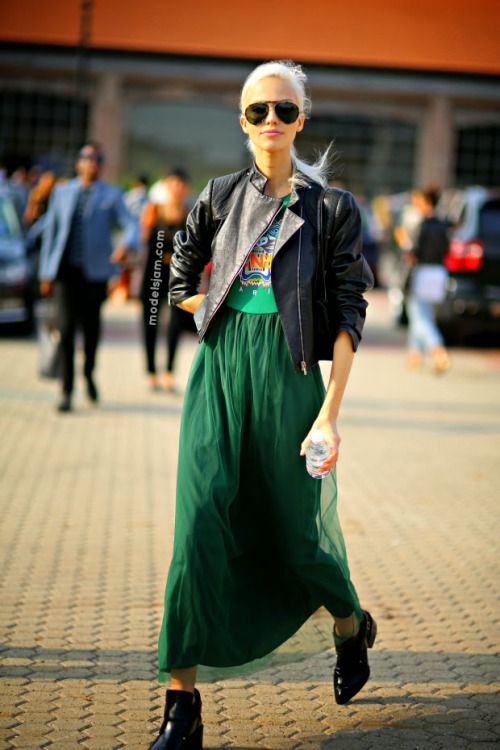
[106,122]
[436,144]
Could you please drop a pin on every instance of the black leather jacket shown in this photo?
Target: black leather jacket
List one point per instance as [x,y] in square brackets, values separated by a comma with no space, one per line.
[231,215]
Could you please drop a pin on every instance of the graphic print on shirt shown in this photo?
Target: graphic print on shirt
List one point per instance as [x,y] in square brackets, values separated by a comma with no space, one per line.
[257,270]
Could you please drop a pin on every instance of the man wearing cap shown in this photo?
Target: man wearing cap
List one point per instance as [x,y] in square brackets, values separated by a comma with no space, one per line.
[77,259]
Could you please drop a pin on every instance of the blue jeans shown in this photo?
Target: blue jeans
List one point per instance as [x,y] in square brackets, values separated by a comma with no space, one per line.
[423,333]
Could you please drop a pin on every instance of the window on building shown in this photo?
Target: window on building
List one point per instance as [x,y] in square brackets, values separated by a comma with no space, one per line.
[41,128]
[372,155]
[203,137]
[477,156]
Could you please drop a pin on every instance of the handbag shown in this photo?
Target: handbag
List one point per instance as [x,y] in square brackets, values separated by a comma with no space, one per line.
[428,283]
[49,341]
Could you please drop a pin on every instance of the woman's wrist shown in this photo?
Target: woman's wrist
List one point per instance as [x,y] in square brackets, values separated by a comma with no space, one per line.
[329,411]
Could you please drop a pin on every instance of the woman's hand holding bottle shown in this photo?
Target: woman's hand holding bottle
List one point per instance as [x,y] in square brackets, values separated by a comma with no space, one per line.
[321,447]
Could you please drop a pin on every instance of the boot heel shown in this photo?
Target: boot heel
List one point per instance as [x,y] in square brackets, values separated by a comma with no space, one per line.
[194,741]
[371,633]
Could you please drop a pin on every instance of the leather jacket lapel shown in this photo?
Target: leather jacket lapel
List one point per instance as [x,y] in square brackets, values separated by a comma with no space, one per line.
[250,215]
[291,224]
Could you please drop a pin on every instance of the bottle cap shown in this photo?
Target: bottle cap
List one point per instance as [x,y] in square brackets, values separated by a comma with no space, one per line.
[317,436]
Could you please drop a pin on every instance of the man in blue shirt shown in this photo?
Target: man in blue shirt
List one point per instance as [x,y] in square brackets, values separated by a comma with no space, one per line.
[77,259]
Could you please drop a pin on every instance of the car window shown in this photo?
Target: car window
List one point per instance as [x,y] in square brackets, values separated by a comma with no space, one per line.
[489,220]
[489,226]
[9,223]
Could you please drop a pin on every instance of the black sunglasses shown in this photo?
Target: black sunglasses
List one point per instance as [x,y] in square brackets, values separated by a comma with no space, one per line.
[287,112]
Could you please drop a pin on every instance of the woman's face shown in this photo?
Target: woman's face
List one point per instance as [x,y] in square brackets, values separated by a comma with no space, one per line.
[177,188]
[272,135]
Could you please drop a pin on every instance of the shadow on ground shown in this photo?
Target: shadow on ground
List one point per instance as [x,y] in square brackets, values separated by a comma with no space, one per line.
[39,663]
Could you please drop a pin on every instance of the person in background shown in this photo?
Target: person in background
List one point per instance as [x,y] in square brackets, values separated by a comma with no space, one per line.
[406,231]
[77,259]
[137,197]
[38,198]
[427,285]
[122,288]
[371,235]
[258,547]
[35,214]
[157,193]
[405,236]
[20,185]
[159,224]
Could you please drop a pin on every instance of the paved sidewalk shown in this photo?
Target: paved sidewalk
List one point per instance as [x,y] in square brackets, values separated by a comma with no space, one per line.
[86,504]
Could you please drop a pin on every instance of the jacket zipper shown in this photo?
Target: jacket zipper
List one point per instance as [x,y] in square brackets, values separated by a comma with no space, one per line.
[303,364]
[239,271]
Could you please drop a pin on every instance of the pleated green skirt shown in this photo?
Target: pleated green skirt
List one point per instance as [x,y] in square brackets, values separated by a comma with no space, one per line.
[258,547]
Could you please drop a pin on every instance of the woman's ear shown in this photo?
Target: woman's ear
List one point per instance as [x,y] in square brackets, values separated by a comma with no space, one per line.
[244,124]
[301,122]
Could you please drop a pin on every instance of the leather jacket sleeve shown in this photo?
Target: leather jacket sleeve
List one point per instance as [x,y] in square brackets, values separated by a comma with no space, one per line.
[348,275]
[192,249]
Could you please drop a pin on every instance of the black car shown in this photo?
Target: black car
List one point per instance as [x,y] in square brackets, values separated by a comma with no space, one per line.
[472,304]
[17,268]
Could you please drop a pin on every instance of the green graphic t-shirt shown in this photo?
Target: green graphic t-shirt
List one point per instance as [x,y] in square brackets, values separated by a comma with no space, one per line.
[252,291]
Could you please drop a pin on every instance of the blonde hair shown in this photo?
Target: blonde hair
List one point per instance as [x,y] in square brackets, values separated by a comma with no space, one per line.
[287,70]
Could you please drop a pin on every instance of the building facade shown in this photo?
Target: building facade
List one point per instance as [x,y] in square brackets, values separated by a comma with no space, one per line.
[404,102]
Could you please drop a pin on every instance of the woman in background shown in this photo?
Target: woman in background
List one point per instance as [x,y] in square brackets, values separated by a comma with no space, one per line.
[159,224]
[427,285]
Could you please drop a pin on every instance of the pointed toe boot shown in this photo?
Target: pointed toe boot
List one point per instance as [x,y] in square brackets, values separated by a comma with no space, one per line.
[352,670]
[182,728]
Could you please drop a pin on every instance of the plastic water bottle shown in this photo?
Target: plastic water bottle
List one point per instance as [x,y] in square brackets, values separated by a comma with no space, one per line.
[317,453]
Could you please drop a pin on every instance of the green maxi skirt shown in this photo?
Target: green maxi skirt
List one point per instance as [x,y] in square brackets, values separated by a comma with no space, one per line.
[257,545]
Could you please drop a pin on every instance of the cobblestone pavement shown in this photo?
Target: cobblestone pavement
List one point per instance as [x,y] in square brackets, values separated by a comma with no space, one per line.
[87,521]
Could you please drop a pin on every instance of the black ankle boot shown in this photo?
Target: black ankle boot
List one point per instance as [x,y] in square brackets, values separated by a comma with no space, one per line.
[64,404]
[92,391]
[352,669]
[182,728]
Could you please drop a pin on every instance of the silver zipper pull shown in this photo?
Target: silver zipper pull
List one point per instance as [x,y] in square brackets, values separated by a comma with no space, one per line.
[303,367]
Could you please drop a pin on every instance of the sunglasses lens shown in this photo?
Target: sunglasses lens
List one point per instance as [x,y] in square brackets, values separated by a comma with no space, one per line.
[256,113]
[288,112]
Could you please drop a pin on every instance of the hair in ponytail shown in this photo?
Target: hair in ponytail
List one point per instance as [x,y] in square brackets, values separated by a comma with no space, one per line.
[294,74]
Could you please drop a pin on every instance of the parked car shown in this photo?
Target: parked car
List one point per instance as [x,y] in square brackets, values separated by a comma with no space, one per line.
[17,268]
[472,304]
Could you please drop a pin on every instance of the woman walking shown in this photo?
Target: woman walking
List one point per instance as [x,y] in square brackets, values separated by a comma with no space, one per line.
[428,279]
[159,224]
[258,546]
